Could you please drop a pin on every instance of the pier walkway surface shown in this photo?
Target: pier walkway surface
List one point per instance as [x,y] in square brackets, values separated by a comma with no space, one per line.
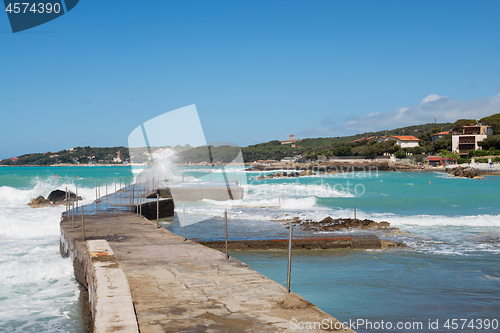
[182,286]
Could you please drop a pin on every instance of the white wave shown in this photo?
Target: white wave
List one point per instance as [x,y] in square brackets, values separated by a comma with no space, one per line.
[294,190]
[32,261]
[35,282]
[18,220]
[437,220]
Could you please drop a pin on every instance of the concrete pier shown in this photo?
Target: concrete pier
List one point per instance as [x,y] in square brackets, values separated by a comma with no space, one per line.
[182,286]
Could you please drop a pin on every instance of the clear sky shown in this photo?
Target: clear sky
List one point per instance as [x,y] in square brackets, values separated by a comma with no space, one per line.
[256,70]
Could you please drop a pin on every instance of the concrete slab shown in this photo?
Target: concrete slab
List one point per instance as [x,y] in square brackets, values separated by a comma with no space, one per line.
[182,286]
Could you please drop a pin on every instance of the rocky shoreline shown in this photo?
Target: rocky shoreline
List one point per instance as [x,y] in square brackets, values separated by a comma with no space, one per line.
[467,172]
[337,167]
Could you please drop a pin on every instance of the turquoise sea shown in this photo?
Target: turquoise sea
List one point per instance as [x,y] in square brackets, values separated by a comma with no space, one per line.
[449,269]
[38,292]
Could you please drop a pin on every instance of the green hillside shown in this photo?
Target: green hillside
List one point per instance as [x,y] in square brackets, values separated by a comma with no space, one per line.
[78,155]
[341,145]
[309,148]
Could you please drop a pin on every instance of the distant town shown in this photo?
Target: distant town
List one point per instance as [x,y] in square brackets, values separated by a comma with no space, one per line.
[430,144]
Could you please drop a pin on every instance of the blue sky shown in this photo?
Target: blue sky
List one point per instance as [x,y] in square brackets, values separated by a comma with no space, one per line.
[256,70]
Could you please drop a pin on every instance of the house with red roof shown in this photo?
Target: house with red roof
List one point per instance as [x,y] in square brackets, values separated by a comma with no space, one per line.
[439,135]
[406,141]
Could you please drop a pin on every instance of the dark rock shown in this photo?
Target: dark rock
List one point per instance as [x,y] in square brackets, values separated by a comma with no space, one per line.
[294,174]
[330,224]
[166,209]
[467,172]
[162,192]
[39,202]
[58,197]
[384,224]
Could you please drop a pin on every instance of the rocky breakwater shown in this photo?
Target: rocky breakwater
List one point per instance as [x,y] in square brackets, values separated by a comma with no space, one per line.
[56,197]
[346,224]
[467,172]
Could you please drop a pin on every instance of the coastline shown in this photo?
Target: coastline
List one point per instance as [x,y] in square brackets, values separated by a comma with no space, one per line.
[68,165]
[347,166]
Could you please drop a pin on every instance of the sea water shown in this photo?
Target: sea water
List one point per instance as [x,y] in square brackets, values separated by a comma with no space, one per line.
[449,269]
[38,291]
[448,274]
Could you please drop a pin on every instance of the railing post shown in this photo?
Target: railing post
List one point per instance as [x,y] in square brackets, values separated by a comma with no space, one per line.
[289,273]
[184,221]
[99,189]
[157,210]
[96,197]
[83,227]
[225,219]
[66,202]
[140,205]
[133,195]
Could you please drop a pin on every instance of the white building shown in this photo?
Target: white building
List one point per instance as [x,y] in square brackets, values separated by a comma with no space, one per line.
[404,141]
[290,159]
[467,138]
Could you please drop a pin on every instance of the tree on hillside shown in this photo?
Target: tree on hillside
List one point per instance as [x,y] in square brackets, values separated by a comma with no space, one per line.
[400,153]
[493,121]
[490,142]
[442,143]
[462,122]
[342,151]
